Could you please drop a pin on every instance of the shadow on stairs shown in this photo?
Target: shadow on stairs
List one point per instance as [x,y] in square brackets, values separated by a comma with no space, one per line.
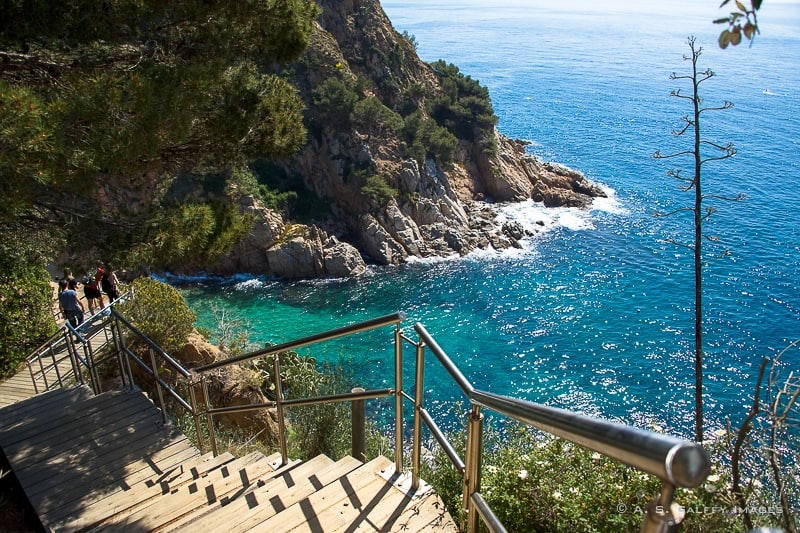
[106,463]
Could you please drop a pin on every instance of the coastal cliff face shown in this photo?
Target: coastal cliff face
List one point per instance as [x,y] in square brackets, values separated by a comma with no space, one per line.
[388,201]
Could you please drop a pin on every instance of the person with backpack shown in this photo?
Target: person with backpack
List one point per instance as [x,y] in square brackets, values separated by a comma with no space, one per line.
[109,283]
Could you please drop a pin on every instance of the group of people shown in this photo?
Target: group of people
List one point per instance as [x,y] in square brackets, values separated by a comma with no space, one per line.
[69,301]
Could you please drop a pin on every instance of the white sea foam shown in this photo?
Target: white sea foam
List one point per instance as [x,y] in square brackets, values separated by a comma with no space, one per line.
[537,219]
[249,284]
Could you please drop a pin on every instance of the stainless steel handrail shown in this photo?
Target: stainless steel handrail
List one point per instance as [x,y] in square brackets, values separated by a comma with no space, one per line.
[152,345]
[675,461]
[394,318]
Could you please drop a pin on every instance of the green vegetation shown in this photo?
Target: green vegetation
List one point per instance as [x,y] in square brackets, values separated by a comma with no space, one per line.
[335,100]
[374,118]
[535,482]
[465,108]
[377,189]
[146,90]
[101,102]
[26,298]
[743,22]
[160,312]
[426,139]
[317,429]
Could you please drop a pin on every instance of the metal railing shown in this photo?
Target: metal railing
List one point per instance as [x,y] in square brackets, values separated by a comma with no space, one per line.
[678,463]
[280,403]
[76,344]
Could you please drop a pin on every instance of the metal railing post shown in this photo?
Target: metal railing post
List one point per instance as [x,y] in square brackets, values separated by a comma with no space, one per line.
[358,417]
[89,352]
[55,365]
[74,362]
[195,413]
[116,337]
[658,516]
[398,400]
[472,470]
[154,367]
[418,400]
[276,365]
[74,359]
[125,358]
[33,378]
[212,437]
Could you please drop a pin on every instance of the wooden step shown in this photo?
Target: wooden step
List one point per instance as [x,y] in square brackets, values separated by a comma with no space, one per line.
[302,515]
[28,410]
[270,498]
[99,507]
[109,473]
[393,508]
[239,475]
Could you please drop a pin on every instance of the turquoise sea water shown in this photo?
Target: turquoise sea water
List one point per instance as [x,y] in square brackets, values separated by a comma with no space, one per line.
[596,313]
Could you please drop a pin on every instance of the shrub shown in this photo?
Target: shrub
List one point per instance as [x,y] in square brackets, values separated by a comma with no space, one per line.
[160,312]
[374,117]
[376,188]
[536,482]
[335,100]
[427,139]
[465,108]
[317,429]
[27,301]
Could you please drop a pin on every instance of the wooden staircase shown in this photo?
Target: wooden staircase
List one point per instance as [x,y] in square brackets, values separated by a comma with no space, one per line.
[105,463]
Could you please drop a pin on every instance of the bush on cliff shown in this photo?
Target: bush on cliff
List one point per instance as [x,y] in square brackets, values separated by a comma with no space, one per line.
[465,108]
[160,312]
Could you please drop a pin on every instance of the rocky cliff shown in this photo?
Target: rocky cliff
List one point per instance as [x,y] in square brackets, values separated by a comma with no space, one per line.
[369,96]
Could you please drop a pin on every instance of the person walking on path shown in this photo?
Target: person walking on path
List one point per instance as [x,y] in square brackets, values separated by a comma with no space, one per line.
[93,294]
[71,304]
[109,283]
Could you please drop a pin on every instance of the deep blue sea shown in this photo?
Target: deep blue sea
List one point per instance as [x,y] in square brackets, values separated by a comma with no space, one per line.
[596,313]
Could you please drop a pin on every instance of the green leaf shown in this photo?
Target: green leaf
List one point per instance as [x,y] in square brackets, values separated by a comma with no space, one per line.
[724,39]
[741,6]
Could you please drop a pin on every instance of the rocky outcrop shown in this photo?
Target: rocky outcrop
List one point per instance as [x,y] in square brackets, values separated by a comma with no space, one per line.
[435,208]
[521,176]
[231,386]
[288,250]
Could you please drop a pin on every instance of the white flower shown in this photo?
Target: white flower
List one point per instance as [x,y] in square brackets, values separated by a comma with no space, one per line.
[574,490]
[757,484]
[713,478]
[523,474]
[557,495]
[596,456]
[491,469]
[721,432]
